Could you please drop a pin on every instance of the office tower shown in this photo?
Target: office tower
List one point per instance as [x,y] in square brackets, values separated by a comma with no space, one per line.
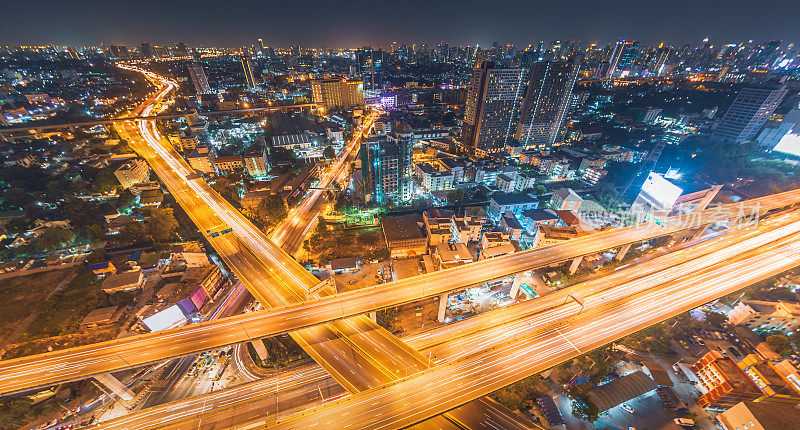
[260,46]
[146,51]
[182,50]
[386,165]
[748,113]
[767,53]
[613,59]
[120,52]
[337,93]
[546,103]
[198,78]
[492,108]
[248,71]
[661,57]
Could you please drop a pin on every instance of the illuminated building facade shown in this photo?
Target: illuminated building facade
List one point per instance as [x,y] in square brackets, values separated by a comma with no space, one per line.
[748,113]
[491,114]
[338,93]
[547,102]
[199,78]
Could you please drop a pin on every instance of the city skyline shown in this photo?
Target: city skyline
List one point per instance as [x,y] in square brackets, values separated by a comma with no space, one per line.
[350,25]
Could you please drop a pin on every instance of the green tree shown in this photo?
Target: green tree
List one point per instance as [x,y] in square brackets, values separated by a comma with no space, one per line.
[539,190]
[161,225]
[53,238]
[329,153]
[125,200]
[457,196]
[716,319]
[271,210]
[780,344]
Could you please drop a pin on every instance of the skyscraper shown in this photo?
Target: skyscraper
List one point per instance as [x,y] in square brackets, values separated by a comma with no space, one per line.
[198,78]
[387,166]
[748,113]
[546,103]
[248,71]
[492,110]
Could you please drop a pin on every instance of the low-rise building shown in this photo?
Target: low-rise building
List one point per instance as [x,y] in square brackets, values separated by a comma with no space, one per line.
[760,416]
[256,162]
[451,255]
[132,172]
[228,164]
[202,160]
[723,383]
[126,281]
[405,236]
[208,277]
[565,199]
[766,316]
[500,203]
[438,226]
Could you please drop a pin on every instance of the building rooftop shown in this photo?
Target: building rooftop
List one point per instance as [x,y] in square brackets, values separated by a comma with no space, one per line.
[567,194]
[404,227]
[621,390]
[503,199]
[540,215]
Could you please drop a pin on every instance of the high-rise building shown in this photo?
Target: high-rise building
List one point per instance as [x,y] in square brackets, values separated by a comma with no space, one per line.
[387,166]
[248,71]
[198,78]
[547,102]
[492,109]
[119,52]
[767,53]
[748,113]
[182,49]
[146,51]
[337,93]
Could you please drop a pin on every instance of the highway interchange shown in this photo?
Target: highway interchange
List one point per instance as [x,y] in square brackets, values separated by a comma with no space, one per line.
[395,384]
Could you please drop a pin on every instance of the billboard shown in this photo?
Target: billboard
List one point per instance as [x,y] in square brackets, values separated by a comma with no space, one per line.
[170,317]
[790,143]
[659,192]
[199,297]
[187,306]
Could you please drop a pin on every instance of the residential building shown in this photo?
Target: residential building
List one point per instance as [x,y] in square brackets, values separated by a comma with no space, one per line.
[338,93]
[132,172]
[247,68]
[547,102]
[500,203]
[565,199]
[256,162]
[228,164]
[505,183]
[750,415]
[766,316]
[451,255]
[749,112]
[722,383]
[209,277]
[466,229]
[438,226]
[405,236]
[199,79]
[387,166]
[509,223]
[202,160]
[531,219]
[491,113]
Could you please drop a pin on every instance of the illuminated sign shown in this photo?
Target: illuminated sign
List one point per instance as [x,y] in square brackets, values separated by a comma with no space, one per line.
[790,143]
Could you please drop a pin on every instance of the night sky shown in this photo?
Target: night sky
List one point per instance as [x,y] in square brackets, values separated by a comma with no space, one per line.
[310,23]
